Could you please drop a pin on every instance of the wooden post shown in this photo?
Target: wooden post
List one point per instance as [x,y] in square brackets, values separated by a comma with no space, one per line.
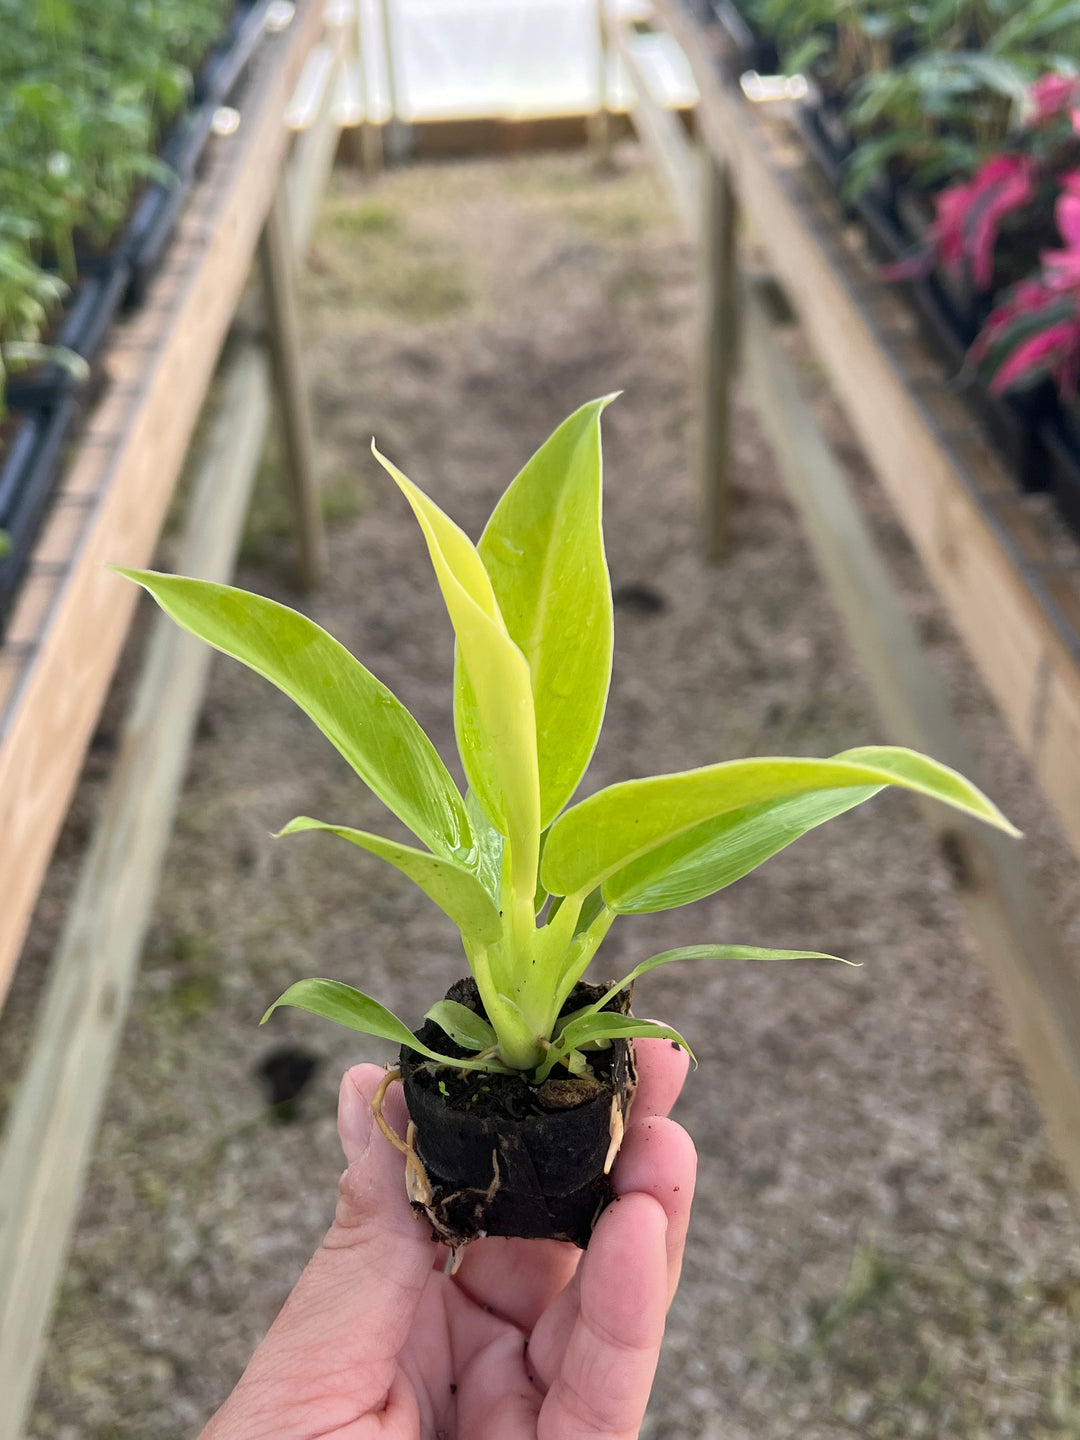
[600,123]
[371,146]
[1034,980]
[719,350]
[277,266]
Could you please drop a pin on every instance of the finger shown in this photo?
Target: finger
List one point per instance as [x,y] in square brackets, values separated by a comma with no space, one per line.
[516,1279]
[602,1385]
[339,1333]
[658,1159]
[661,1067]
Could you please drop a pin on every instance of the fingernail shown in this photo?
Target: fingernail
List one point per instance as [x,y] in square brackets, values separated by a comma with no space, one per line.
[355,1122]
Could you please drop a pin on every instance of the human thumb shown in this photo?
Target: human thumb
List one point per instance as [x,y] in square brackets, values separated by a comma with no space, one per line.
[352,1309]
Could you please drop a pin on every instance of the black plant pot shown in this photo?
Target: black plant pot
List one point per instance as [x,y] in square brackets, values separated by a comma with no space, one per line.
[28,473]
[502,1156]
[1061,435]
[748,48]
[157,211]
[224,68]
[827,138]
[86,320]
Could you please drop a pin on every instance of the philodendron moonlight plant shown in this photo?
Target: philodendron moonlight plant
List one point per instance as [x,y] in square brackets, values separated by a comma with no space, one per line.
[519,1081]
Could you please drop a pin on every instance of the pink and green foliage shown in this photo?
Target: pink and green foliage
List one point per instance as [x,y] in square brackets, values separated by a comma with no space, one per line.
[1053,96]
[1035,334]
[1011,193]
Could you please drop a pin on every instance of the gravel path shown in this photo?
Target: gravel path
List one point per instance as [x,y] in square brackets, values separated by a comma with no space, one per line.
[882,1244]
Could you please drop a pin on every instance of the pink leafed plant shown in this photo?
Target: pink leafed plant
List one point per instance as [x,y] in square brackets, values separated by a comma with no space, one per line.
[1053,95]
[1035,333]
[969,216]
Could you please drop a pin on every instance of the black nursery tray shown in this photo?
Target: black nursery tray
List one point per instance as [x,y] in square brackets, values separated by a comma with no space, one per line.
[747,46]
[29,468]
[87,318]
[948,317]
[225,66]
[1061,436]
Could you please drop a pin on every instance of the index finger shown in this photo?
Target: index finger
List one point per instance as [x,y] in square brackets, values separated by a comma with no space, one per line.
[661,1067]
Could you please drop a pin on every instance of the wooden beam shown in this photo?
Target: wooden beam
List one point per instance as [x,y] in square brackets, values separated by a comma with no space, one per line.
[1037,987]
[54,1119]
[277,262]
[58,665]
[718,354]
[661,131]
[600,123]
[1023,657]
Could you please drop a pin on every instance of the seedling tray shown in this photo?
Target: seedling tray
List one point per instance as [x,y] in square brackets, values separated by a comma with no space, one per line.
[948,317]
[748,48]
[225,66]
[28,474]
[1061,437]
[153,220]
[86,321]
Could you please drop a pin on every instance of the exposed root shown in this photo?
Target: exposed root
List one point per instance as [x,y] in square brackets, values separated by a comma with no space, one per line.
[376,1109]
[417,1185]
[617,1129]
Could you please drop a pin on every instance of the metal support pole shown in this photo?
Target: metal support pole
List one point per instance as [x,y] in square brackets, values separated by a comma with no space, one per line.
[719,350]
[277,268]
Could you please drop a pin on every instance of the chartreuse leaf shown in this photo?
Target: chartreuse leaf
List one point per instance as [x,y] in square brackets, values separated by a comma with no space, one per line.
[589,1029]
[455,889]
[357,713]
[489,847]
[498,745]
[710,856]
[615,827]
[341,1003]
[544,551]
[462,1025]
[705,952]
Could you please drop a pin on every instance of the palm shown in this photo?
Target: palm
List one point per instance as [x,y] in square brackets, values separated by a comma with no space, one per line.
[529,1340]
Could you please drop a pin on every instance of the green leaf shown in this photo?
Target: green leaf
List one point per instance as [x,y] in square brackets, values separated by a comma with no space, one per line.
[608,831]
[705,859]
[498,741]
[544,551]
[357,713]
[455,889]
[345,1006]
[608,1025]
[489,847]
[706,952]
[462,1025]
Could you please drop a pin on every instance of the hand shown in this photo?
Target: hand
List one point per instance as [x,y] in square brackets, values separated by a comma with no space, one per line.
[530,1340]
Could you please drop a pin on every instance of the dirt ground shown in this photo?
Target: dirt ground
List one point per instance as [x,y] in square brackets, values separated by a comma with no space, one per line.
[882,1244]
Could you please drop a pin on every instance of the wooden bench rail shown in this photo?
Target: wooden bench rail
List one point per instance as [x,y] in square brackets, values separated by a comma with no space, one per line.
[71,619]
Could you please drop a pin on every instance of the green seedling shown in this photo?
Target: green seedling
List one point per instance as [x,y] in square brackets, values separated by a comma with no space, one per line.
[532,881]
